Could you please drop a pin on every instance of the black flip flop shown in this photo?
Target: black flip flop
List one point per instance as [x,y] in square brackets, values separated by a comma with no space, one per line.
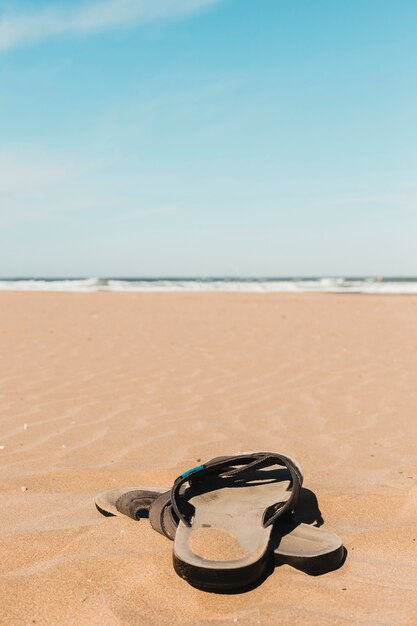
[226,517]
[304,546]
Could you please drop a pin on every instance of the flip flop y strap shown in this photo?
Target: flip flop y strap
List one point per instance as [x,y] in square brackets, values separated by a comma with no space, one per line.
[236,467]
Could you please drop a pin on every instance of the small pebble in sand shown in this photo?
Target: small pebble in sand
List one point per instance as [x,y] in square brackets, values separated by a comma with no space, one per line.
[25,426]
[23,489]
[63,445]
[2,447]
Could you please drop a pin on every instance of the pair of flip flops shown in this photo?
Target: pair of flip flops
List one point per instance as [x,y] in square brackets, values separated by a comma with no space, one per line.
[231,519]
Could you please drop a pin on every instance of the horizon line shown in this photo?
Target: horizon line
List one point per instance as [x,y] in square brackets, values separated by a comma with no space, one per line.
[225,277]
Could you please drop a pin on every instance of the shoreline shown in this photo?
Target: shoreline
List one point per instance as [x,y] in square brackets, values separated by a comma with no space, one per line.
[378,285]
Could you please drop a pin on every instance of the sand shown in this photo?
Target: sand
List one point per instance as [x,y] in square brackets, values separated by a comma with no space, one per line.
[104,390]
[215,544]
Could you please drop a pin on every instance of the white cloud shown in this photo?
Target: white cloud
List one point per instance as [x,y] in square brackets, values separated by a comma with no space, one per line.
[88,16]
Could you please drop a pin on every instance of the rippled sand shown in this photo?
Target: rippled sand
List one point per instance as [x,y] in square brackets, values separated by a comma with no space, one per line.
[124,389]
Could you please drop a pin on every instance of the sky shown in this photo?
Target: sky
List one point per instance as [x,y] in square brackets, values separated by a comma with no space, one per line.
[208,138]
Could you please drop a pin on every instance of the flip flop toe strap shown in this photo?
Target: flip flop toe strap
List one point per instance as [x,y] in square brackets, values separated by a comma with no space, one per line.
[236,467]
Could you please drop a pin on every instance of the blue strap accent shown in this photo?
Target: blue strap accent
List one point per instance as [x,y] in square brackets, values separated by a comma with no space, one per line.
[192,470]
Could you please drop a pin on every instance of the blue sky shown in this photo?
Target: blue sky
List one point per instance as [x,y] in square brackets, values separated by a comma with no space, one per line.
[204,137]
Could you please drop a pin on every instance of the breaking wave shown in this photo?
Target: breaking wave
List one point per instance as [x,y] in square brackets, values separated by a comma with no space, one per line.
[377,285]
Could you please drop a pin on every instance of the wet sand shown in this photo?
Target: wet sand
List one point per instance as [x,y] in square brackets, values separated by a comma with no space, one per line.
[104,390]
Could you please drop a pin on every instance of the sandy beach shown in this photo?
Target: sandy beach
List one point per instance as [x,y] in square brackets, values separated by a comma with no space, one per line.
[103,390]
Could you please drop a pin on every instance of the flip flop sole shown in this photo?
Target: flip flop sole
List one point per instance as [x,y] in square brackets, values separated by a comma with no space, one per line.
[314,565]
[227,548]
[223,580]
[314,550]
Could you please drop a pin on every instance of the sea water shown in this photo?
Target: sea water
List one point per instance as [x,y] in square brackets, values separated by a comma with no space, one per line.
[373,285]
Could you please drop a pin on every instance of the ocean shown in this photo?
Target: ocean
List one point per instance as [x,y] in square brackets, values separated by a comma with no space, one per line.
[373,285]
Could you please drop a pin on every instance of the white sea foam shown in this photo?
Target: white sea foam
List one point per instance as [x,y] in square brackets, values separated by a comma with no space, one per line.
[294,285]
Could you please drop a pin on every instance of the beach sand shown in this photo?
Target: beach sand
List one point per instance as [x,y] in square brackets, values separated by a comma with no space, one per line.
[103,390]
